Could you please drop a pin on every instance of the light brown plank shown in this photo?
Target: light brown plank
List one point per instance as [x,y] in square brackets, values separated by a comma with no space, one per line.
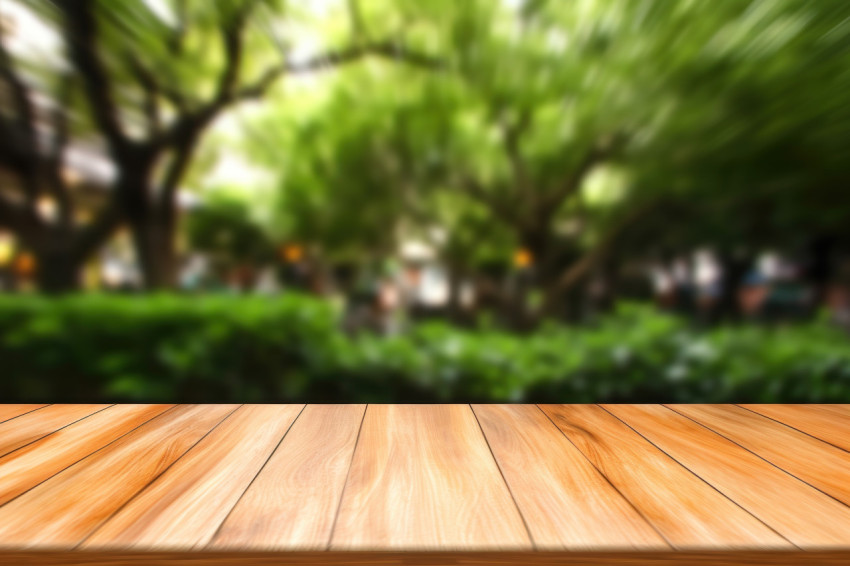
[803,515]
[813,461]
[63,510]
[830,423]
[293,501]
[566,502]
[30,427]
[437,558]
[423,478]
[26,467]
[11,411]
[185,506]
[687,511]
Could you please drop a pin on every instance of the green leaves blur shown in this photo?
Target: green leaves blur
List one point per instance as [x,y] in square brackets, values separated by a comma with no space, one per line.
[288,349]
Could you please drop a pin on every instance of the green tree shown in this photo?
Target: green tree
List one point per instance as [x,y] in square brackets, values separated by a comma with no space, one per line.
[151,85]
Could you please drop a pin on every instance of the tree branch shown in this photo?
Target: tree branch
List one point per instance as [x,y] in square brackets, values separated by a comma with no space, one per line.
[151,89]
[55,158]
[21,220]
[512,134]
[389,49]
[598,153]
[19,91]
[232,36]
[21,135]
[81,31]
[582,267]
[497,207]
[90,238]
[176,170]
[175,42]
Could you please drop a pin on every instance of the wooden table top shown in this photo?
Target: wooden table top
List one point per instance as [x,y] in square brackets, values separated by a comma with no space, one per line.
[523,480]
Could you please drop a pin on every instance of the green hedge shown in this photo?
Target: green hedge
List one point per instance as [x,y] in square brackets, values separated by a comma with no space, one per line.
[259,349]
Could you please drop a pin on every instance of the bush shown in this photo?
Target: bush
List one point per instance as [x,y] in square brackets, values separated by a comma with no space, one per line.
[289,349]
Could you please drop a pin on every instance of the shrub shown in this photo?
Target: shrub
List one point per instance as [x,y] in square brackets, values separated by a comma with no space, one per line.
[165,348]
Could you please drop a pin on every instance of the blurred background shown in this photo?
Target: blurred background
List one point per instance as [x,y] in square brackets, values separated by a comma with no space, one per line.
[593,200]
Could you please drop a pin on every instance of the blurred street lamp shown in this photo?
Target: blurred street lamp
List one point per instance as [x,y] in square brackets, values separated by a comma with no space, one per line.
[25,265]
[7,249]
[47,209]
[291,253]
[523,258]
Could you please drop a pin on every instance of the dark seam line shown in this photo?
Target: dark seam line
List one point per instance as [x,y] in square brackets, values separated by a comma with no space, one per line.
[760,457]
[507,485]
[26,413]
[794,428]
[347,473]
[147,485]
[87,455]
[54,431]
[241,495]
[607,479]
[706,482]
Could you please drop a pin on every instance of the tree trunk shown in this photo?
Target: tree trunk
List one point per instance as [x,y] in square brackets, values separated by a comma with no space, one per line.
[454,307]
[58,271]
[153,240]
[735,266]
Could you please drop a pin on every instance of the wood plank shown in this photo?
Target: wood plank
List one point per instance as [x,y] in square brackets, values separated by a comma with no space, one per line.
[813,461]
[803,515]
[184,506]
[398,558]
[566,502]
[11,411]
[292,503]
[423,477]
[830,423]
[30,465]
[688,512]
[35,425]
[64,509]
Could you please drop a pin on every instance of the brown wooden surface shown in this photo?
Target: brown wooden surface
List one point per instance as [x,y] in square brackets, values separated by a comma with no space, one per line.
[27,427]
[294,499]
[123,484]
[12,411]
[813,461]
[184,507]
[413,558]
[687,511]
[423,478]
[566,502]
[30,465]
[830,423]
[814,521]
[62,511]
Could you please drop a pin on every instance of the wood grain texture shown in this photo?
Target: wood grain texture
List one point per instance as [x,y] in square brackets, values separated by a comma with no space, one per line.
[815,462]
[385,558]
[12,411]
[565,501]
[64,509]
[293,501]
[688,512]
[423,477]
[814,521]
[442,483]
[184,506]
[830,423]
[28,428]
[30,465]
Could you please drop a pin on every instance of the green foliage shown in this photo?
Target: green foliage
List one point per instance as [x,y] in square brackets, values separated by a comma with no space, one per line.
[217,349]
[223,226]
